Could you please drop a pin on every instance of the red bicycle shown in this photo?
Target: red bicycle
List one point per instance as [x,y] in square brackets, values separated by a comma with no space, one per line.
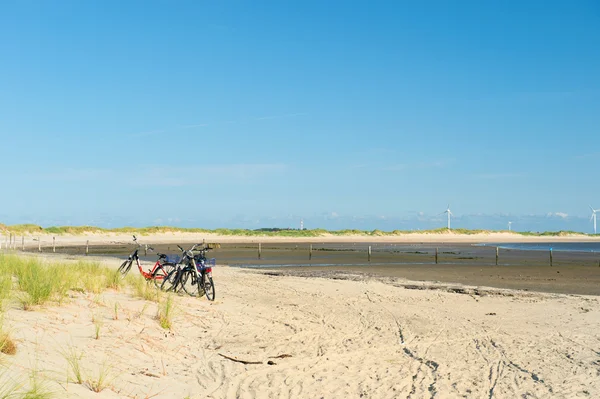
[161,269]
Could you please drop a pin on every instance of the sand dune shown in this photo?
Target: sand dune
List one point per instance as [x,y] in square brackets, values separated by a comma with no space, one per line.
[321,338]
[47,240]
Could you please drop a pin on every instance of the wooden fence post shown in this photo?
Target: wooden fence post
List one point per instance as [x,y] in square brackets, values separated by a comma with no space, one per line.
[436,255]
[310,252]
[39,244]
[87,247]
[22,243]
[53,244]
[145,249]
[550,256]
[497,256]
[259,248]
[369,257]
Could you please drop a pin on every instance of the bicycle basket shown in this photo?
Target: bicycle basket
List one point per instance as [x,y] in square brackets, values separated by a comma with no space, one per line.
[173,258]
[212,262]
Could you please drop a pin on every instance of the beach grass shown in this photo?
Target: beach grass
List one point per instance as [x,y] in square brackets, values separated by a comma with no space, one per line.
[143,289]
[8,386]
[73,358]
[165,312]
[38,389]
[102,380]
[33,282]
[7,345]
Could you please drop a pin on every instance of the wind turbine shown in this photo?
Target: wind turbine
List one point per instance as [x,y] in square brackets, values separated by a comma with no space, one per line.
[594,217]
[449,214]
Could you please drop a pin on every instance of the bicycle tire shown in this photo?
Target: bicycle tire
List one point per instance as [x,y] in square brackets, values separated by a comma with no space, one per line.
[169,282]
[209,287]
[125,267]
[189,282]
[161,272]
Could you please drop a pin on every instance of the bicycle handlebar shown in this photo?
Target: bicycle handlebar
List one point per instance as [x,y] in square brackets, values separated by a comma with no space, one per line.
[189,253]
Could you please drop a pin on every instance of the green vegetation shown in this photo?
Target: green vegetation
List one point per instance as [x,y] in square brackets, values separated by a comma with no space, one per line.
[8,386]
[73,358]
[142,288]
[32,229]
[36,283]
[37,389]
[7,345]
[102,381]
[165,313]
[33,282]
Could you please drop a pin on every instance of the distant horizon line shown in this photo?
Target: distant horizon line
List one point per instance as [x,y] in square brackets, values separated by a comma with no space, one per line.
[33,228]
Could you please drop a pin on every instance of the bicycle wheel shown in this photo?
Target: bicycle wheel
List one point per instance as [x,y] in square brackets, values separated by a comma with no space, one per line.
[209,287]
[189,281]
[125,267]
[161,272]
[170,281]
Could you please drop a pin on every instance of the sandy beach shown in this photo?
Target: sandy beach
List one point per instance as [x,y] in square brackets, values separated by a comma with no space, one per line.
[334,336]
[46,240]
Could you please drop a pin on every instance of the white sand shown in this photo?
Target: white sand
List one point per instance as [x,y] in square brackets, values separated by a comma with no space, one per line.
[346,339]
[46,241]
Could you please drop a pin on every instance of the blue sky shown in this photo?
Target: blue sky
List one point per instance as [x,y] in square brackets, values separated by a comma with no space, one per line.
[256,114]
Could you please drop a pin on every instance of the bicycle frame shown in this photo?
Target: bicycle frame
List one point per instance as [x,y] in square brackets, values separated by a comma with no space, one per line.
[149,275]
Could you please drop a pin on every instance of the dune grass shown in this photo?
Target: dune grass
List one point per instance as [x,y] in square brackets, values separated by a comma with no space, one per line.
[28,229]
[38,389]
[142,288]
[33,282]
[8,386]
[103,379]
[73,358]
[165,312]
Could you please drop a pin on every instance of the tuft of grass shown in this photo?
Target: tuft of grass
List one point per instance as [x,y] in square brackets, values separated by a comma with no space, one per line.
[97,326]
[73,358]
[7,345]
[144,289]
[102,381]
[164,314]
[8,386]
[37,389]
[113,279]
[5,288]
[35,281]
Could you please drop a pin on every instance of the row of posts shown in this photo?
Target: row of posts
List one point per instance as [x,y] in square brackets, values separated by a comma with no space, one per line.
[369,252]
[10,242]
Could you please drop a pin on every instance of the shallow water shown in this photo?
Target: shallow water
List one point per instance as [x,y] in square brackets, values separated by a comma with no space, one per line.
[574,269]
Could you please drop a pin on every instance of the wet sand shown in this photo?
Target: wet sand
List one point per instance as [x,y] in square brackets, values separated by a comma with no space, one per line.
[570,273]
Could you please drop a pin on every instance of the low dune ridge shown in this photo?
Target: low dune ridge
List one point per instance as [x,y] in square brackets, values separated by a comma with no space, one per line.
[29,239]
[333,336]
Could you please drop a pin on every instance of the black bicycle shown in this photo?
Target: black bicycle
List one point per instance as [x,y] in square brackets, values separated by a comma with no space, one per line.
[157,274]
[192,275]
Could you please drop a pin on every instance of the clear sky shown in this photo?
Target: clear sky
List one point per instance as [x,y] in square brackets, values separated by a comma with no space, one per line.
[259,113]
